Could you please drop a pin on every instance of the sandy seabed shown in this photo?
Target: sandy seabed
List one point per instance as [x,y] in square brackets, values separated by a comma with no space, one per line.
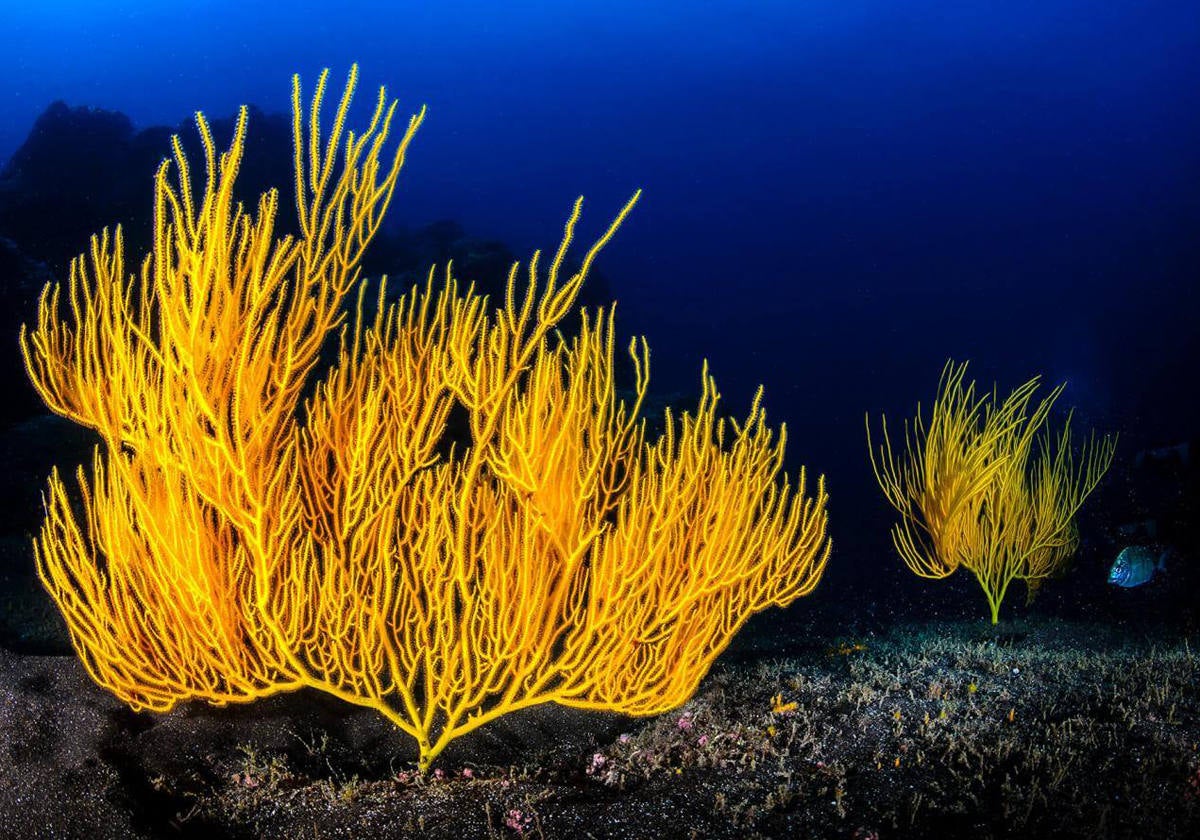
[1038,727]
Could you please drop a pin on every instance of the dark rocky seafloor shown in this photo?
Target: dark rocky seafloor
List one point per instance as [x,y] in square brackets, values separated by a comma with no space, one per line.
[1038,727]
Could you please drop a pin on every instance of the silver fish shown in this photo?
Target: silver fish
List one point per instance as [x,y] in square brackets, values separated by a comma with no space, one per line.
[1136,565]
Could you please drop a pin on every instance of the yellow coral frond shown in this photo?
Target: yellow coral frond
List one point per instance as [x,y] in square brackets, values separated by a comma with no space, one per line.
[233,542]
[974,488]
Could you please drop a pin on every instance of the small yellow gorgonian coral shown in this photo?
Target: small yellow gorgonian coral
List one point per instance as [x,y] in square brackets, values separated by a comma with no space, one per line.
[983,484]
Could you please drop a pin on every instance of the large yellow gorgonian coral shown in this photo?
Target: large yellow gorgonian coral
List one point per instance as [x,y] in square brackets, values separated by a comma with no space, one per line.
[235,539]
[979,487]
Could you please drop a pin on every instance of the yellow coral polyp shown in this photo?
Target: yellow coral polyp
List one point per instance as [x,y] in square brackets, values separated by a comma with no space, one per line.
[779,707]
[230,542]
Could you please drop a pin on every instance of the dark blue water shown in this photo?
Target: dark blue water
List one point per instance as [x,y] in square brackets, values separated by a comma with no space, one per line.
[839,196]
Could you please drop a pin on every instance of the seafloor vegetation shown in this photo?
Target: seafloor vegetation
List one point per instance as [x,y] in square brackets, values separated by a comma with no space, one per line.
[936,730]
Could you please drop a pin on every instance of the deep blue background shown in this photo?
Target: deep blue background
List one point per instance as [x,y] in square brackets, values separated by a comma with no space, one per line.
[839,195]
